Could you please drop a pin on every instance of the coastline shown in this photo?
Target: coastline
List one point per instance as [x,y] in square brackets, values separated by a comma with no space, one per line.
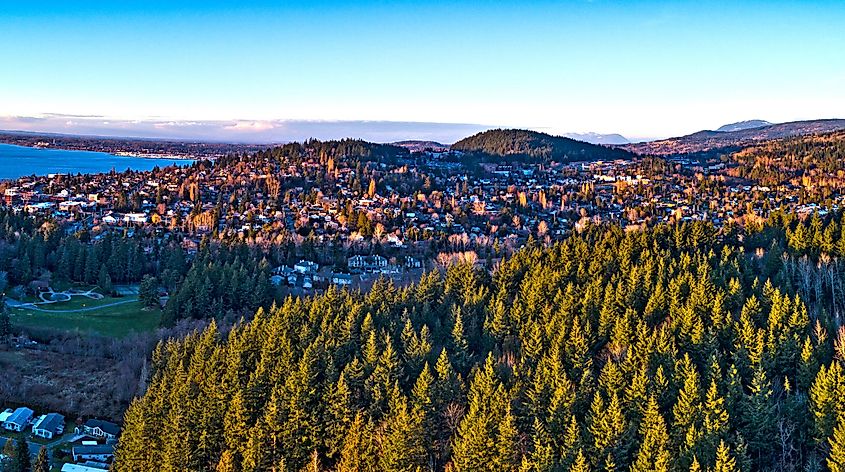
[139,155]
[128,147]
[18,161]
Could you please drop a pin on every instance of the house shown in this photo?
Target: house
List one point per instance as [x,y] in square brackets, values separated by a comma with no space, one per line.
[99,453]
[284,271]
[306,267]
[367,263]
[99,429]
[342,280]
[18,420]
[140,218]
[49,426]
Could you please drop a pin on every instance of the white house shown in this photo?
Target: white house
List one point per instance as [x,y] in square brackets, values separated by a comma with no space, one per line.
[112,219]
[367,263]
[99,429]
[79,468]
[342,280]
[18,420]
[140,218]
[412,262]
[306,267]
[99,453]
[49,426]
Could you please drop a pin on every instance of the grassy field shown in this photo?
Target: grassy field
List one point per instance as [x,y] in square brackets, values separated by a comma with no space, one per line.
[99,317]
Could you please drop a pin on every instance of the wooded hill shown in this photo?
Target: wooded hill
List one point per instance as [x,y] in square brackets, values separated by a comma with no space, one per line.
[718,142]
[531,144]
[677,348]
[820,158]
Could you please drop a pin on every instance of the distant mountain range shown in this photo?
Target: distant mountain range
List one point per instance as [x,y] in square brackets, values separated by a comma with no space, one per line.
[722,141]
[597,138]
[534,145]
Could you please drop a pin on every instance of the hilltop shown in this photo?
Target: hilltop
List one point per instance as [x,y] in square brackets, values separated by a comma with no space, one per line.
[532,144]
[422,146]
[722,141]
[743,125]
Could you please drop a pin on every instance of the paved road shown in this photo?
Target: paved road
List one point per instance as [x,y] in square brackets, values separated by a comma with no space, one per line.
[29,306]
[35,447]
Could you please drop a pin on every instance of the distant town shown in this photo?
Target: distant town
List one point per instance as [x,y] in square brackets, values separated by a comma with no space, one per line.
[133,147]
[360,218]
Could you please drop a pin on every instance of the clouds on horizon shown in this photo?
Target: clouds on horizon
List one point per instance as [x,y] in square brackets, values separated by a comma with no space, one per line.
[241,131]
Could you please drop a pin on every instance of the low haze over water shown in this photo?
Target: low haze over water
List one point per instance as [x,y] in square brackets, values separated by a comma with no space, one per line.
[18,161]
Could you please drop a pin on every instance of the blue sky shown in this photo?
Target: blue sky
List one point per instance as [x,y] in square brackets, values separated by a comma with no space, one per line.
[640,68]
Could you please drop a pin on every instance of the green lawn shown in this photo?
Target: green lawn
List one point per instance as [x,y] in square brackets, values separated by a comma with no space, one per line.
[116,321]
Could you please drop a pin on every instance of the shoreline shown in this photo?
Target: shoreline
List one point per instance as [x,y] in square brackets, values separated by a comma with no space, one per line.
[131,154]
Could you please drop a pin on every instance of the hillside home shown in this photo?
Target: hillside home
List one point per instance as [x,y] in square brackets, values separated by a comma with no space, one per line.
[99,453]
[18,420]
[49,426]
[99,429]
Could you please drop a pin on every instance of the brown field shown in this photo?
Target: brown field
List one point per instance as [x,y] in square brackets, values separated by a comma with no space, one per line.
[67,383]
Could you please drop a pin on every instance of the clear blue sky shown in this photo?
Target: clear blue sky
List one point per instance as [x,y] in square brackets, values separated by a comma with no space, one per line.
[641,68]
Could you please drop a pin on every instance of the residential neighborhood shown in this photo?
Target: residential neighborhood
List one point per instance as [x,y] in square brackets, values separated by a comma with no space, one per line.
[88,446]
[331,214]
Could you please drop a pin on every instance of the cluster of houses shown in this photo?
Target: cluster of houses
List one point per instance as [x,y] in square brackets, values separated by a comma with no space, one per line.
[91,446]
[46,426]
[308,274]
[409,203]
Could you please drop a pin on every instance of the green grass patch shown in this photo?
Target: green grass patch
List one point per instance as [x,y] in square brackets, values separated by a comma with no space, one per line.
[100,317]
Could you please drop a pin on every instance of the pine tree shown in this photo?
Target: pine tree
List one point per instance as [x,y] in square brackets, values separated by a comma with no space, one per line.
[148,291]
[20,458]
[5,321]
[695,466]
[836,459]
[402,445]
[724,461]
[358,453]
[580,463]
[236,427]
[759,417]
[226,462]
[9,451]
[716,419]
[42,462]
[474,447]
[653,454]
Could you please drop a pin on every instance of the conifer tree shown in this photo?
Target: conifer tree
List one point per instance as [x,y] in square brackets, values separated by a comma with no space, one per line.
[580,463]
[42,462]
[226,462]
[358,453]
[653,454]
[724,461]
[836,458]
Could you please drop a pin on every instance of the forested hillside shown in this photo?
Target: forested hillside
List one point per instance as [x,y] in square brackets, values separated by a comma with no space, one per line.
[531,144]
[677,348]
[817,159]
[714,143]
